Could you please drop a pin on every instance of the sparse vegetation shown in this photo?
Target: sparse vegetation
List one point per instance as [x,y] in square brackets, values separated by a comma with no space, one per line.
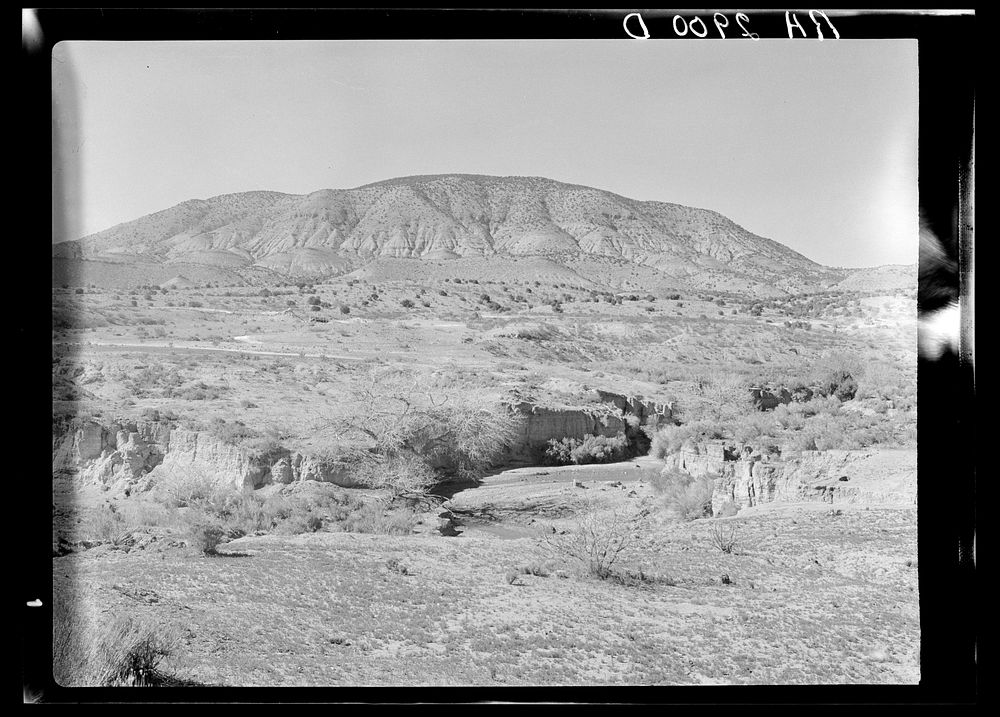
[418,432]
[597,541]
[123,651]
[689,497]
[205,537]
[725,536]
[591,449]
[410,396]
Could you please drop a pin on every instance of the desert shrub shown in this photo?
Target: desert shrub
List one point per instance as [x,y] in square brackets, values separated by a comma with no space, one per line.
[113,527]
[298,523]
[146,512]
[535,569]
[819,406]
[881,379]
[688,497]
[559,451]
[725,536]
[199,391]
[375,518]
[753,428]
[205,537]
[591,449]
[130,653]
[639,577]
[829,439]
[839,384]
[195,489]
[239,513]
[124,651]
[144,380]
[396,566]
[597,541]
[670,439]
[231,432]
[407,303]
[264,447]
[401,473]
[800,442]
[787,418]
[345,309]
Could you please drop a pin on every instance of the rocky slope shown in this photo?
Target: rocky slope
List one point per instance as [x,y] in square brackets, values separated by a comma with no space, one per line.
[447,217]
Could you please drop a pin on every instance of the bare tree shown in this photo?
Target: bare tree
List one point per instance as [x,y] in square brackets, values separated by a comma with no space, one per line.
[598,540]
[410,430]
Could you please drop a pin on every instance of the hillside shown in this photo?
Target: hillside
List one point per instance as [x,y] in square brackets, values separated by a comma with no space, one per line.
[447,217]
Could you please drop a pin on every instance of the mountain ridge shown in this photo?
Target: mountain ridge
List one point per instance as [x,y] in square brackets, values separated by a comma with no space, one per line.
[331,231]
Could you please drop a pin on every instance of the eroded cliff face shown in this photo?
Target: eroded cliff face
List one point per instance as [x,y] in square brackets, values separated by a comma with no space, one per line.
[871,476]
[614,414]
[121,451]
[136,455]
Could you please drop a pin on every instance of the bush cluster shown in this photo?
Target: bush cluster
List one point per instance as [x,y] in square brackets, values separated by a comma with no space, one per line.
[591,449]
[689,497]
[116,651]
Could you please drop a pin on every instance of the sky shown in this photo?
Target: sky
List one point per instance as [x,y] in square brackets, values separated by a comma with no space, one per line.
[812,144]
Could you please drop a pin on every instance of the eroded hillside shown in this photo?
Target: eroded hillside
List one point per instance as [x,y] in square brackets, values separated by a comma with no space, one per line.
[444,217]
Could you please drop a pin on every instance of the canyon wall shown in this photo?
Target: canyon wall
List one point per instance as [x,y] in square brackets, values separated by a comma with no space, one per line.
[872,476]
[136,454]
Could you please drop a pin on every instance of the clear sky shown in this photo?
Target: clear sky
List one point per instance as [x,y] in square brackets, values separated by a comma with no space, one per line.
[812,144]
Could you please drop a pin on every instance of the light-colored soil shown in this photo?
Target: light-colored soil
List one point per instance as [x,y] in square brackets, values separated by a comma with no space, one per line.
[813,594]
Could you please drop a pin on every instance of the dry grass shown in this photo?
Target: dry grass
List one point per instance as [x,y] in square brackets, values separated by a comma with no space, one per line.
[330,608]
[121,651]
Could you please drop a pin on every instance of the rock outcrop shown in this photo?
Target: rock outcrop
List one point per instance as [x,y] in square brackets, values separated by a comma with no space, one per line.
[139,454]
[616,413]
[120,451]
[766,400]
[871,476]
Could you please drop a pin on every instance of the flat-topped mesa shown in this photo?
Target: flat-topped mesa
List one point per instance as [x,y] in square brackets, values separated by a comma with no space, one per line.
[613,415]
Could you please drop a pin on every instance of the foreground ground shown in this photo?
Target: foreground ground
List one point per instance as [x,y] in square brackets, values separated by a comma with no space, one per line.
[812,593]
